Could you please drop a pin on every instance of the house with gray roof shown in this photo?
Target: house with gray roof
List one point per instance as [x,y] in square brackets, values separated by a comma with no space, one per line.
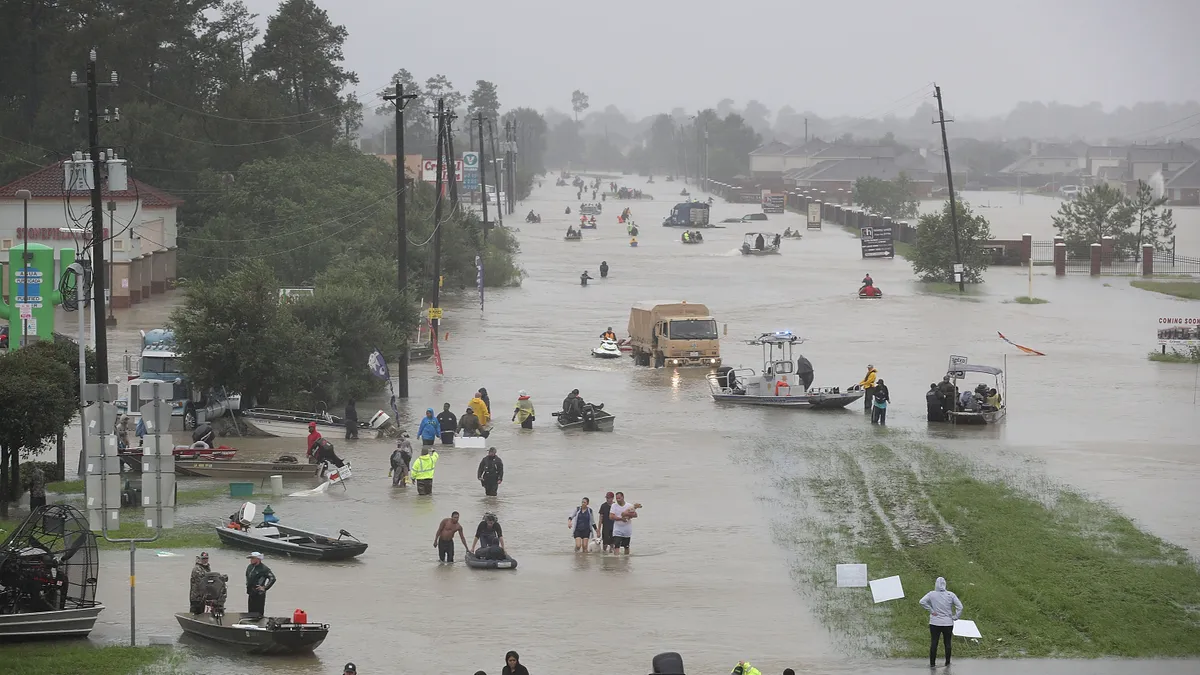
[1183,188]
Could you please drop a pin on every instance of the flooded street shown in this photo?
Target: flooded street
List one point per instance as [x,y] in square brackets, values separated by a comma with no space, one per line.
[708,577]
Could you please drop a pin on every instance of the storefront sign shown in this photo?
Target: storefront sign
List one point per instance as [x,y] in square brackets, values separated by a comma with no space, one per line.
[878,242]
[1179,331]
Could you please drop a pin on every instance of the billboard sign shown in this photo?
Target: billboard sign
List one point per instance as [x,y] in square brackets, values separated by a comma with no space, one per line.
[878,241]
[429,170]
[814,216]
[1179,331]
[773,202]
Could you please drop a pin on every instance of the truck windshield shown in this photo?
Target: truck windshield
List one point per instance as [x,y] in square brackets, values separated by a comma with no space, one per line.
[160,364]
[694,329]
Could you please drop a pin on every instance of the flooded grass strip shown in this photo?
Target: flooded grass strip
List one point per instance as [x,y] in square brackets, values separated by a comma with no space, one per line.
[190,535]
[83,657]
[1043,571]
[1191,354]
[1027,300]
[1189,290]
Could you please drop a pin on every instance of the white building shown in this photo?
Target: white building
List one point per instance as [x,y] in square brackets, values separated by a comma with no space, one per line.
[141,231]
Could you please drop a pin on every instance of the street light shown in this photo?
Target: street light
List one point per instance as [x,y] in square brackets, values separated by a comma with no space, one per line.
[24,196]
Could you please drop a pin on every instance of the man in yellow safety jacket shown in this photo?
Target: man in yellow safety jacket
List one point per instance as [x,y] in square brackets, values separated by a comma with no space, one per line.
[422,470]
[868,387]
[744,668]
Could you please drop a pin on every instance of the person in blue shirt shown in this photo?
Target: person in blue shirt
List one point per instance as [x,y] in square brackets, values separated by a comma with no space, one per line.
[430,429]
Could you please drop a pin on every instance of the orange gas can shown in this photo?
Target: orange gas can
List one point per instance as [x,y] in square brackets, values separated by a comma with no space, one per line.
[299,616]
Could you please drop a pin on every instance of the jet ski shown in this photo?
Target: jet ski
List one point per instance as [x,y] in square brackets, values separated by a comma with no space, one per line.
[608,349]
[872,292]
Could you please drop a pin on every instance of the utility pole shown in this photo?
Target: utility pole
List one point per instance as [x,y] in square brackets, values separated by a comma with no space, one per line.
[400,100]
[99,278]
[437,219]
[483,176]
[111,321]
[495,173]
[451,164]
[959,271]
[805,130]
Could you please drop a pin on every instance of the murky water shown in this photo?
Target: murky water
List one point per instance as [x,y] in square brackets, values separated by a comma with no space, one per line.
[707,579]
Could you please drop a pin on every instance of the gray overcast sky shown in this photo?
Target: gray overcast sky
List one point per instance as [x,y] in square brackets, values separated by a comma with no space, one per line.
[854,57]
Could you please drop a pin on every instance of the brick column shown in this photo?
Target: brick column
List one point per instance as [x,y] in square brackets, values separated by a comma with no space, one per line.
[1027,249]
[1096,259]
[1060,259]
[1147,260]
[1106,250]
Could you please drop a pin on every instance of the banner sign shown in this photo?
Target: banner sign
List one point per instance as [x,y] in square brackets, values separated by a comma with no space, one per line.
[1179,331]
[878,242]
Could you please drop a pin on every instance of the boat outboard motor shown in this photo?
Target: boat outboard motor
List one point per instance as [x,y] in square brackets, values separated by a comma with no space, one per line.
[204,434]
[215,592]
[723,374]
[667,663]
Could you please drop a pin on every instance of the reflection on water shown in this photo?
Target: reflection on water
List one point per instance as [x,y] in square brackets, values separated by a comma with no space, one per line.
[706,578]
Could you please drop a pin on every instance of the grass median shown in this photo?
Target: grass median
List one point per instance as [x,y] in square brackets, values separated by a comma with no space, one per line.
[81,656]
[1189,290]
[1042,571]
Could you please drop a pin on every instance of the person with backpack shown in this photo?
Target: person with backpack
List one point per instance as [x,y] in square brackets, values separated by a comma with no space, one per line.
[400,460]
[582,524]
[491,472]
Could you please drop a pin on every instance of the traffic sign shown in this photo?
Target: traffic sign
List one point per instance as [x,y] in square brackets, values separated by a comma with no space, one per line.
[434,312]
[470,161]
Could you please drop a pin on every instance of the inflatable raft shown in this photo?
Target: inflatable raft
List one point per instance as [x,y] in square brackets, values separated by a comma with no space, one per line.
[480,564]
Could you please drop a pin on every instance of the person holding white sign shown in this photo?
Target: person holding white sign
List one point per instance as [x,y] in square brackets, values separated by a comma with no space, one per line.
[944,608]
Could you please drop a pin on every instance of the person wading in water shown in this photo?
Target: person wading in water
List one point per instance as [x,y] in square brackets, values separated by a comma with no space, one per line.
[443,541]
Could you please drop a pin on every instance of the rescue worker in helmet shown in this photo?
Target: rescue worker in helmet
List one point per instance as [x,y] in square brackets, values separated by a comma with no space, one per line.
[608,334]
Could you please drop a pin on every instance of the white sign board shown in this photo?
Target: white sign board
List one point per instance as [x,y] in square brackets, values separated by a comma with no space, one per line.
[814,213]
[885,589]
[851,576]
[470,161]
[956,361]
[25,309]
[429,170]
[965,628]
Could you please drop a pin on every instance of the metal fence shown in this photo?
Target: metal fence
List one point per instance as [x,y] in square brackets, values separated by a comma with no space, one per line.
[1169,263]
[1042,252]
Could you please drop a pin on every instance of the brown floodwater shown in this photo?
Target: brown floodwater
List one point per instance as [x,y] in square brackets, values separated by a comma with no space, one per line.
[707,578]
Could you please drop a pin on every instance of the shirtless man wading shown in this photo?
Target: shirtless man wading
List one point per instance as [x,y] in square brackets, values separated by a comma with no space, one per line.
[443,541]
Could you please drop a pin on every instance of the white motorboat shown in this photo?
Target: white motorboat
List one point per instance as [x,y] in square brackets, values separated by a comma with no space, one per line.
[960,371]
[608,349]
[778,386]
[761,243]
[294,423]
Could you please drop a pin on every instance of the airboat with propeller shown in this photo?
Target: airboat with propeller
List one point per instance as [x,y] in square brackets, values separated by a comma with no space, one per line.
[49,567]
[778,385]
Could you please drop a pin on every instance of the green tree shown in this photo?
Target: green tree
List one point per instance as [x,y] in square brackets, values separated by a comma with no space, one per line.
[485,99]
[235,333]
[1152,224]
[564,144]
[300,56]
[1099,211]
[891,198]
[439,86]
[38,397]
[579,102]
[933,255]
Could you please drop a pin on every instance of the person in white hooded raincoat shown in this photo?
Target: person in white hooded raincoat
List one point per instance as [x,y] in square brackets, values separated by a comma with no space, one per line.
[944,608]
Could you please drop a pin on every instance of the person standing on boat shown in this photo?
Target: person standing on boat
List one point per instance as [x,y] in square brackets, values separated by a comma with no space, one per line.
[422,469]
[429,429]
[879,408]
[933,404]
[868,387]
[949,395]
[196,594]
[313,437]
[259,580]
[491,472]
[449,424]
[523,413]
[443,541]
[350,419]
[804,371]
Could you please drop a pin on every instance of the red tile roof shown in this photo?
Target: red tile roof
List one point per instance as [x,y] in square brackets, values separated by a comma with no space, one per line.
[48,183]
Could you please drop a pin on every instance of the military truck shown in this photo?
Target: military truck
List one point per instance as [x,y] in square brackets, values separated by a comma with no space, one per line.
[674,334]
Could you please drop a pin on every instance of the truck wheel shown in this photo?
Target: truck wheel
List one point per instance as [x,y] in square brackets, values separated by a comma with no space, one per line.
[659,361]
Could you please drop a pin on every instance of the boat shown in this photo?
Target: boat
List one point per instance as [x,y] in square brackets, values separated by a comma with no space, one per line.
[420,352]
[761,243]
[294,423]
[509,563]
[49,567]
[132,457]
[625,345]
[794,234]
[280,539]
[594,419]
[265,635]
[589,225]
[777,386]
[960,371]
[591,209]
[230,468]
[608,349]
[633,243]
[578,236]
[693,237]
[870,292]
